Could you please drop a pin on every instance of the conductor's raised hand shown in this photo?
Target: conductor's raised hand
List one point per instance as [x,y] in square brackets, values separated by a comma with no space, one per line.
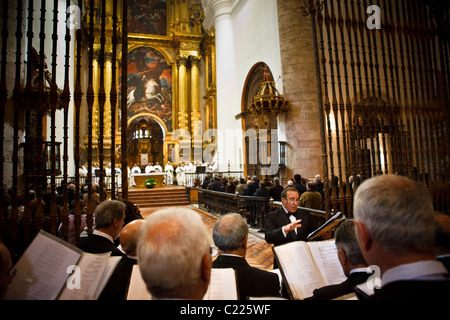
[292,226]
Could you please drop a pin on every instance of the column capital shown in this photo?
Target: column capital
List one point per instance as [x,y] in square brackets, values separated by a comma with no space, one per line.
[182,61]
[219,8]
[195,61]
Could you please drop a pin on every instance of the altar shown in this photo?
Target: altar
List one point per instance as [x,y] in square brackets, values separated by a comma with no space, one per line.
[139,178]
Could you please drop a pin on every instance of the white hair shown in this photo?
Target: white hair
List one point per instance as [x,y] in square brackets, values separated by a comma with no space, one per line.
[170,252]
[398,213]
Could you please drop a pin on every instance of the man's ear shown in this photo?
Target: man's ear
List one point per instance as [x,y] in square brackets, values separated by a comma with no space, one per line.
[363,235]
[206,268]
[245,244]
[342,256]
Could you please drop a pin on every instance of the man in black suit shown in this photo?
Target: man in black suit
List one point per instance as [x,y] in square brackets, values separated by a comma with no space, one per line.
[117,286]
[216,184]
[258,212]
[289,223]
[299,185]
[352,262]
[276,190]
[395,228]
[109,218]
[230,235]
[253,186]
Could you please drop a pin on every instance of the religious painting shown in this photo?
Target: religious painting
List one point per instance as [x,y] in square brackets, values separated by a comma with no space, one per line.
[210,114]
[171,152]
[147,17]
[149,85]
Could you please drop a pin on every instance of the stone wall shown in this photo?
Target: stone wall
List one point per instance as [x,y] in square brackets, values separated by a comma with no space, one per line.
[299,88]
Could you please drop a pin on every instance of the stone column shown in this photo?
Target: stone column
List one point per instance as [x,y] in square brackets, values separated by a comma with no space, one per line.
[228,102]
[303,152]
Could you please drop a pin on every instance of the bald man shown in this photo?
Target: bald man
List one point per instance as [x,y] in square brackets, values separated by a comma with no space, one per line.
[117,286]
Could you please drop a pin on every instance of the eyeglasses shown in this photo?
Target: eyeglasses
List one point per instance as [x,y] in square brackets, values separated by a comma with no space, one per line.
[293,200]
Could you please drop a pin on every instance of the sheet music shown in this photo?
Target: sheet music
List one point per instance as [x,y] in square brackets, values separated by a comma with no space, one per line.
[326,260]
[222,285]
[91,269]
[41,271]
[110,267]
[137,290]
[298,268]
[334,220]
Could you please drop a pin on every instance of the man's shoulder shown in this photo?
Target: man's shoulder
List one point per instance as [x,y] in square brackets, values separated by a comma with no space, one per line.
[97,244]
[413,289]
[275,212]
[242,266]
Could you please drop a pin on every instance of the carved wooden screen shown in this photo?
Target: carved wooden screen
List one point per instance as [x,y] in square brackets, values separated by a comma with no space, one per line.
[384,73]
[43,72]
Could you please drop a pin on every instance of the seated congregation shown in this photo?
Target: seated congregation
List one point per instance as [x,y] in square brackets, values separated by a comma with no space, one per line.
[395,228]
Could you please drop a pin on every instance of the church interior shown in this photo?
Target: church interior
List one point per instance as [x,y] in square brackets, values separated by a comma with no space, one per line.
[346,90]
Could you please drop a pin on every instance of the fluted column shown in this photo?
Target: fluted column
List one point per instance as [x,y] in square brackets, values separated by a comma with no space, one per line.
[182,93]
[195,91]
[228,102]
[196,124]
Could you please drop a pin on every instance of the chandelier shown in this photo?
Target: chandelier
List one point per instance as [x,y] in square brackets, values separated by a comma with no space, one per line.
[267,102]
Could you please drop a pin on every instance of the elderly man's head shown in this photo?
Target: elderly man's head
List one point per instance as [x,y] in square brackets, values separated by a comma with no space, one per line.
[393,215]
[174,254]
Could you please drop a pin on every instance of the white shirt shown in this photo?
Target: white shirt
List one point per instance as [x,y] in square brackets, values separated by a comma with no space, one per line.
[359,270]
[168,168]
[291,217]
[102,234]
[422,270]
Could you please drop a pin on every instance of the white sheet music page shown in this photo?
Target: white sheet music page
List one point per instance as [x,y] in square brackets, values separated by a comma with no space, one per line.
[327,262]
[298,268]
[41,271]
[91,267]
[137,290]
[222,285]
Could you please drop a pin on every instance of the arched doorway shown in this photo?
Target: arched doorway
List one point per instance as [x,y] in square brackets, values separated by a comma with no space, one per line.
[145,141]
[260,106]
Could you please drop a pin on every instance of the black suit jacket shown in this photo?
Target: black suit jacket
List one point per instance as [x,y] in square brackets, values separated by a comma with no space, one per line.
[253,186]
[215,186]
[261,192]
[97,244]
[275,220]
[413,290]
[300,188]
[338,290]
[117,286]
[251,282]
[275,192]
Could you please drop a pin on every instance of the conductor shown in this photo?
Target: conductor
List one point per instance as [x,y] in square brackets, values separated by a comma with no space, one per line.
[288,223]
